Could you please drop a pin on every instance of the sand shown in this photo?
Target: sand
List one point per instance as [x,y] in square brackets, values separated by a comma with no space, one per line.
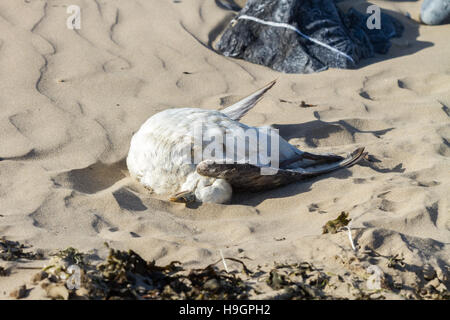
[72,99]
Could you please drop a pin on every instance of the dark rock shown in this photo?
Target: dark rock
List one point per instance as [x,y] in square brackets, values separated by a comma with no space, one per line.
[19,293]
[286,50]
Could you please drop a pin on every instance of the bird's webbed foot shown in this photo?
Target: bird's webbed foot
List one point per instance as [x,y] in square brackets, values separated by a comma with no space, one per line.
[183,197]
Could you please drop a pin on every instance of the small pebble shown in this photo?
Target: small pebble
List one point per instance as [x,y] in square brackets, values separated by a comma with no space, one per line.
[212,285]
[376,296]
[38,277]
[57,291]
[19,293]
[433,283]
[428,272]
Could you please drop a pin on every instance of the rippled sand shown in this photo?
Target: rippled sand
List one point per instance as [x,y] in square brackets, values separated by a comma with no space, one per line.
[71,100]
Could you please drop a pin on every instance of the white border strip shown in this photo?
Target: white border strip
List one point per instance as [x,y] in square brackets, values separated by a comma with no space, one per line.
[288,26]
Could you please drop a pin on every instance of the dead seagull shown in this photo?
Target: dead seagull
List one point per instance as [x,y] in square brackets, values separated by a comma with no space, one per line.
[163,152]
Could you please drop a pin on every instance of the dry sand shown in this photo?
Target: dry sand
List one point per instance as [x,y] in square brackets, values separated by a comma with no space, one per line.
[71,100]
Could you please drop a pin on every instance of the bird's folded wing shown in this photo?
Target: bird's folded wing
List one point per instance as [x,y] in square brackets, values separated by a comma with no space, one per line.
[253,178]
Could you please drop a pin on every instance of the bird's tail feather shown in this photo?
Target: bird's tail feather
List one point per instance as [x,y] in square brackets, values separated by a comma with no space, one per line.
[240,108]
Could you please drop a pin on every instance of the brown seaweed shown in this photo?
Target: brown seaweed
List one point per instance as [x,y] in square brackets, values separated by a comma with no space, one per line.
[13,250]
[126,275]
[333,226]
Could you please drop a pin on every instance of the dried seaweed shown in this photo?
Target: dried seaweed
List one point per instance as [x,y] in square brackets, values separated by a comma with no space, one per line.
[396,261]
[210,283]
[333,226]
[4,272]
[245,269]
[13,250]
[71,255]
[298,281]
[276,281]
[126,275]
[60,262]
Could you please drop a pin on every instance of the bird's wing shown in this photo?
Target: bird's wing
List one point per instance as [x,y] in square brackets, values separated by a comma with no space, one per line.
[240,108]
[311,159]
[249,177]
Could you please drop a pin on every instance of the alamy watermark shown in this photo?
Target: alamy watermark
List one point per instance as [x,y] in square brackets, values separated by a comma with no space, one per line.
[74,279]
[240,145]
[374,20]
[74,20]
[374,281]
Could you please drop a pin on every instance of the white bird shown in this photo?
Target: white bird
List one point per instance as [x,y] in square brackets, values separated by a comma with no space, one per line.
[163,152]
